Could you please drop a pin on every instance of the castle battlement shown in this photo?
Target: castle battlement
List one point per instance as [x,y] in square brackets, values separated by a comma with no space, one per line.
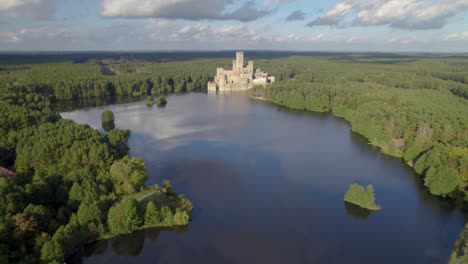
[239,78]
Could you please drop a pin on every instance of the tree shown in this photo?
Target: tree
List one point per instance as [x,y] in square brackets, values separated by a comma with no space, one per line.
[24,224]
[437,156]
[442,181]
[152,215]
[115,219]
[89,213]
[118,140]
[40,240]
[149,99]
[128,175]
[132,213]
[167,186]
[107,116]
[167,216]
[124,217]
[52,251]
[180,218]
[161,100]
[76,194]
[40,212]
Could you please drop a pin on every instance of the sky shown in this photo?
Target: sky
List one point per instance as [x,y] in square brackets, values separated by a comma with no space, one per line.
[311,25]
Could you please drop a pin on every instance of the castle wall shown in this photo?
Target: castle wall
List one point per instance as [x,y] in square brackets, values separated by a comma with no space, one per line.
[240,77]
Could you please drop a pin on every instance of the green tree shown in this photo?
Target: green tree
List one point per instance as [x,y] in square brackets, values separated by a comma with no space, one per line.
[125,217]
[128,175]
[180,218]
[133,217]
[52,251]
[149,99]
[442,181]
[40,212]
[118,140]
[167,186]
[90,213]
[161,100]
[167,216]
[152,215]
[107,116]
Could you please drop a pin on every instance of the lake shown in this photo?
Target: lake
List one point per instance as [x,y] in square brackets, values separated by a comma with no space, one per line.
[268,185]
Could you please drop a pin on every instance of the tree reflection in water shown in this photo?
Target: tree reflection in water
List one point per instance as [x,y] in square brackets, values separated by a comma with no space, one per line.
[356,211]
[124,245]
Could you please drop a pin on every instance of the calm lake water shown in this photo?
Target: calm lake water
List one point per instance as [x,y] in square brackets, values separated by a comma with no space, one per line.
[268,185]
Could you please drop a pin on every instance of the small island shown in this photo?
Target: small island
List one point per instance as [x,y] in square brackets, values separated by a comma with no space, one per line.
[107,120]
[363,197]
[160,100]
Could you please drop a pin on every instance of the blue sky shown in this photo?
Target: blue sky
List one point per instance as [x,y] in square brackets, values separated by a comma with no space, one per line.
[336,25]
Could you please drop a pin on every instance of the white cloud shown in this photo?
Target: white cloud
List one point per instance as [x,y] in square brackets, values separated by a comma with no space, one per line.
[11,37]
[38,9]
[183,9]
[163,34]
[406,14]
[272,2]
[153,34]
[457,36]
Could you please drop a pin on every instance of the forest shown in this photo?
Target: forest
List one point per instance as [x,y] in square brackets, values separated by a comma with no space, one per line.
[98,79]
[72,184]
[75,184]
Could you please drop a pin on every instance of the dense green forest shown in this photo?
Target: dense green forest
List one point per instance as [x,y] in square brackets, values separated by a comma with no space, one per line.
[73,184]
[97,79]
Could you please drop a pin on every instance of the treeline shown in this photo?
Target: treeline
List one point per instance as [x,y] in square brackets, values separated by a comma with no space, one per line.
[426,73]
[14,68]
[79,81]
[73,184]
[425,124]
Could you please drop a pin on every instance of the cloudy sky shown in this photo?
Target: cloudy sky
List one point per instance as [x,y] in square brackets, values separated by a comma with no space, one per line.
[331,25]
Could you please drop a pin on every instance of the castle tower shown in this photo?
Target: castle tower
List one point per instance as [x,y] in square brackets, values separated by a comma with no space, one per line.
[239,61]
[250,68]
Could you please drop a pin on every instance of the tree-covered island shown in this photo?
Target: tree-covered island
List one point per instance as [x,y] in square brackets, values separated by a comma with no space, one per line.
[363,197]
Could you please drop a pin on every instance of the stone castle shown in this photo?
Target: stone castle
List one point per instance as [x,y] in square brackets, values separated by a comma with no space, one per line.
[239,78]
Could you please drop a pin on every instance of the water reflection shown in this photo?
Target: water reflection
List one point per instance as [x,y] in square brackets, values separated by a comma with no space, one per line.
[72,105]
[356,211]
[108,126]
[128,245]
[125,245]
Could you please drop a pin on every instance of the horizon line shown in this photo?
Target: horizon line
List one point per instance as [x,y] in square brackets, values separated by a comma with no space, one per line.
[229,50]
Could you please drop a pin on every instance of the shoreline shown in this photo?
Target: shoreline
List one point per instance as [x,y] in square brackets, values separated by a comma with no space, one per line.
[260,98]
